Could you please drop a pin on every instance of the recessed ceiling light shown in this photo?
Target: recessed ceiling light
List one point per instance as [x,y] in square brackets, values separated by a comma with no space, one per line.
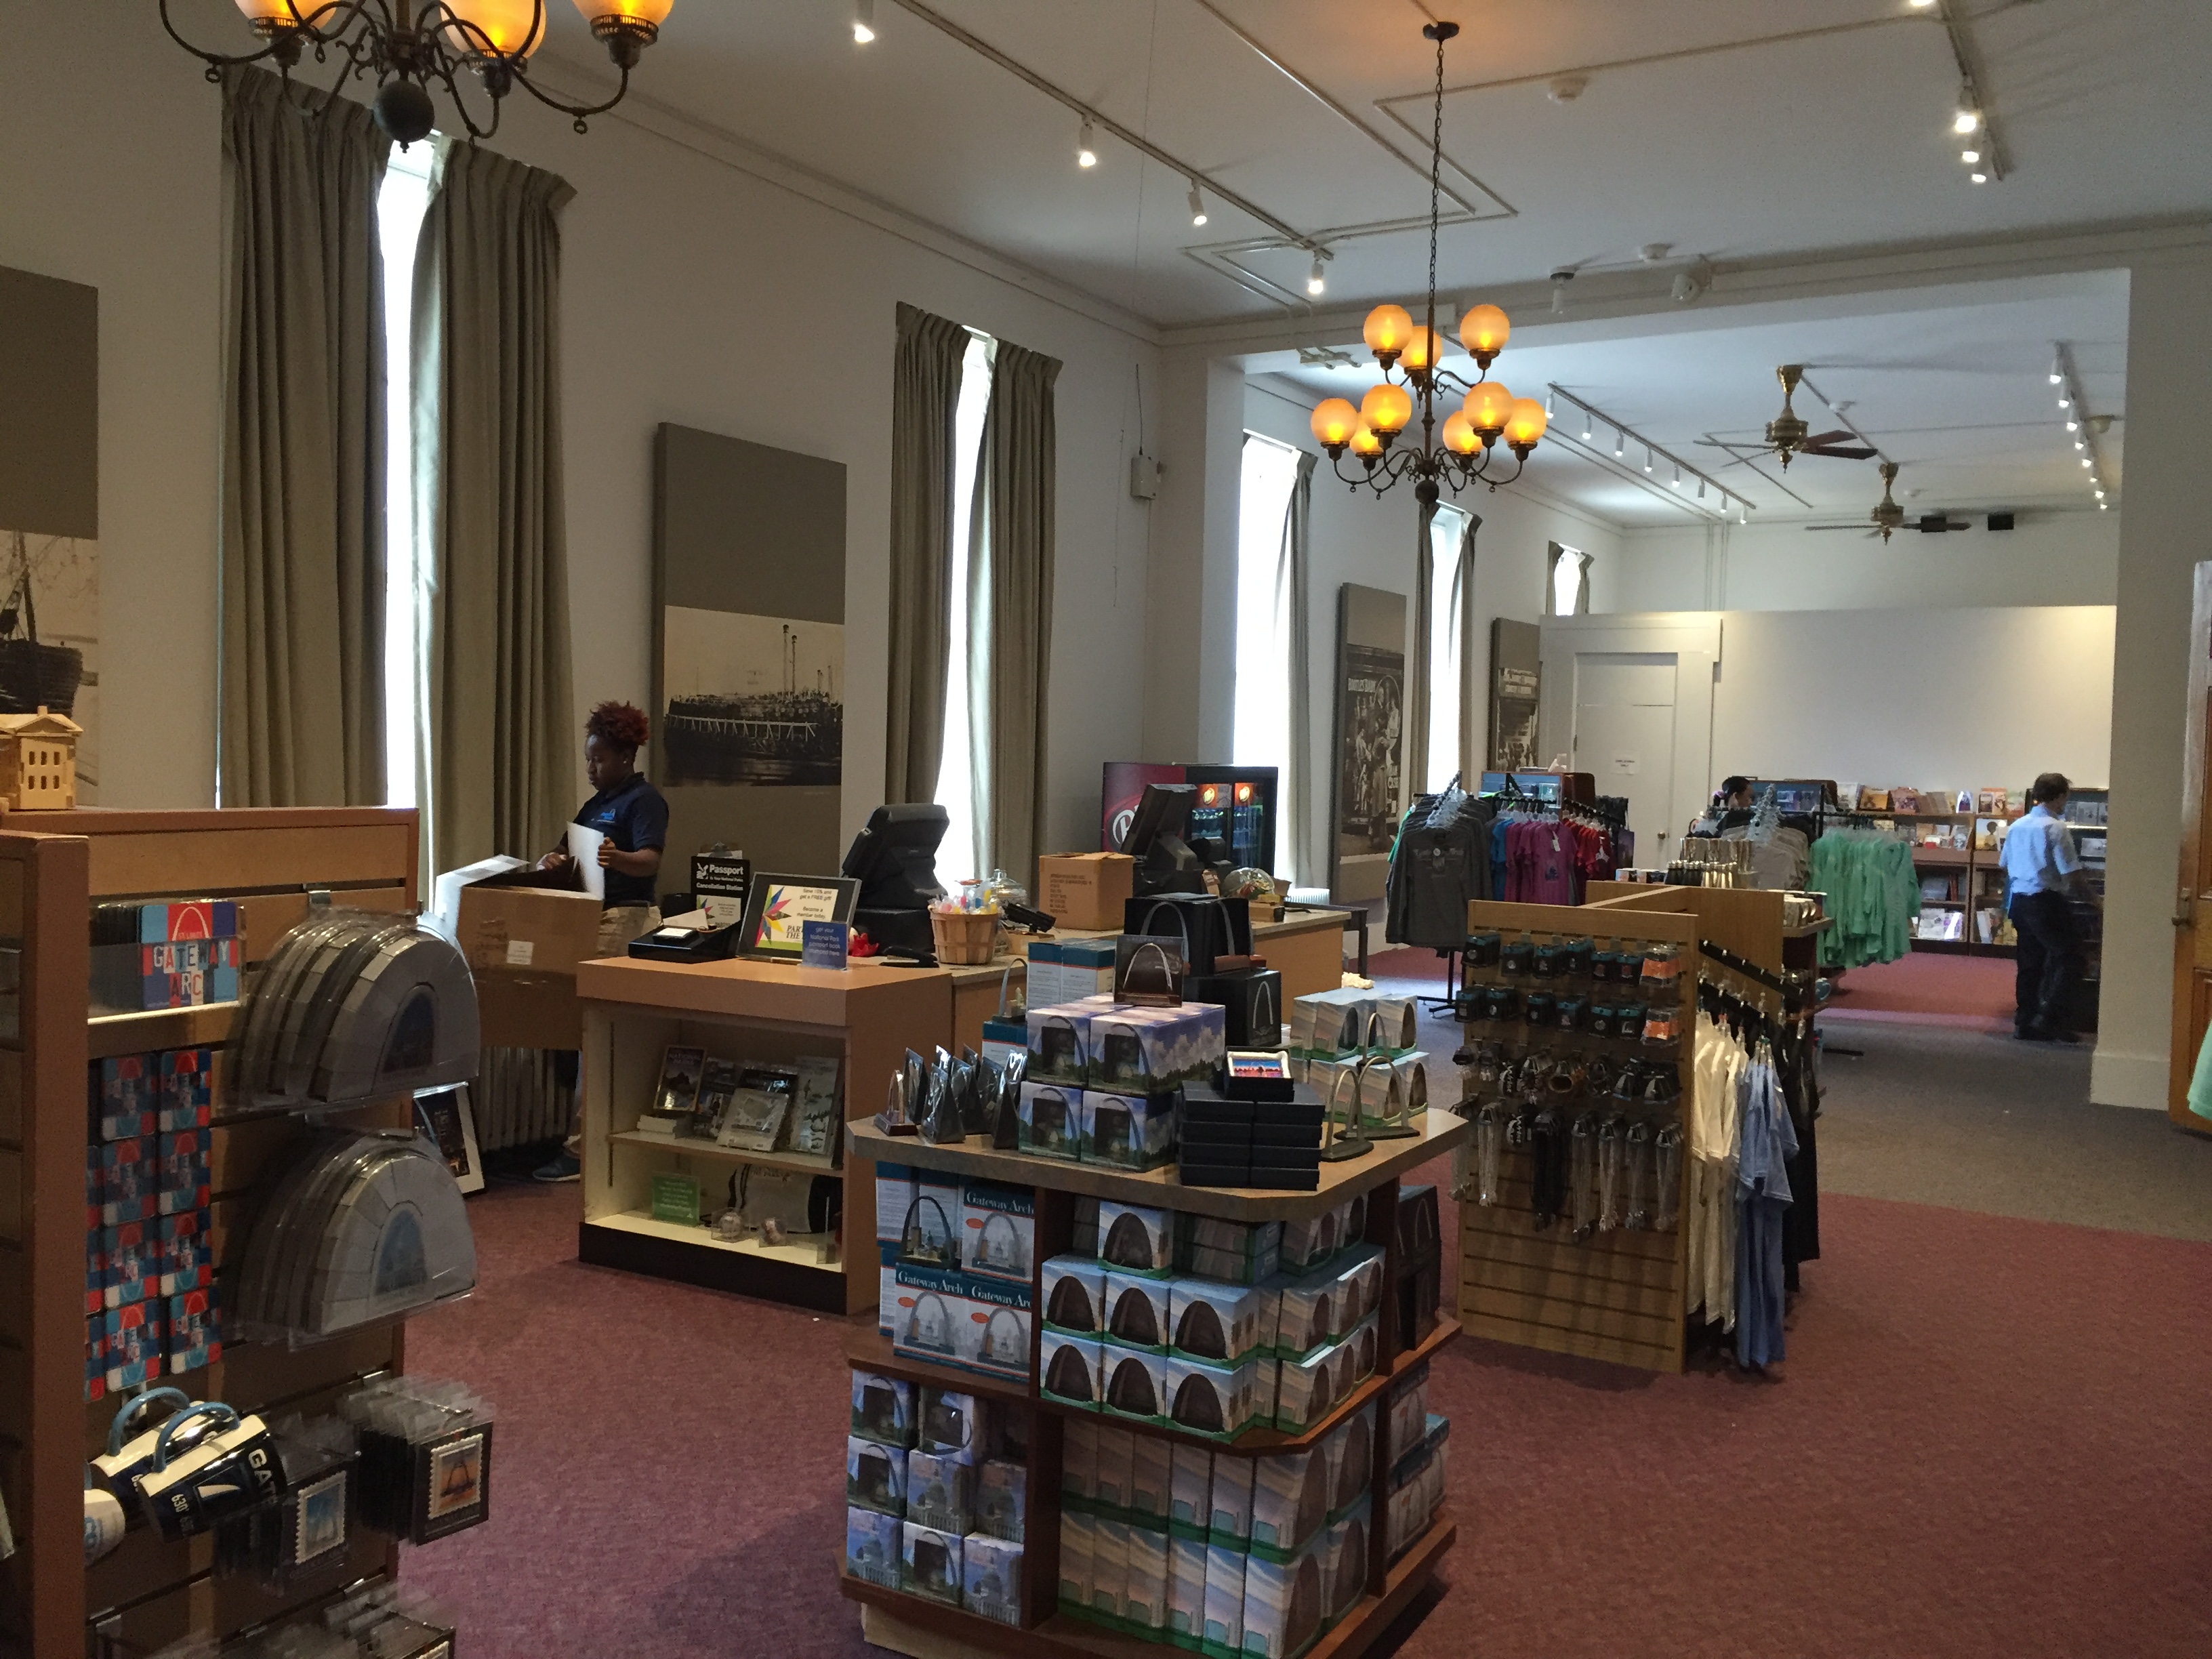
[1197,204]
[1086,148]
[863,22]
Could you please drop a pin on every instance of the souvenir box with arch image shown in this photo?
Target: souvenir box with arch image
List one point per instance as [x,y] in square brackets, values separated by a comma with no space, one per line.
[958,1256]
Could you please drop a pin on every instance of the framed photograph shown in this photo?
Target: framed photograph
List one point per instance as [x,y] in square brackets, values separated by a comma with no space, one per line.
[778,908]
[447,1118]
[680,1071]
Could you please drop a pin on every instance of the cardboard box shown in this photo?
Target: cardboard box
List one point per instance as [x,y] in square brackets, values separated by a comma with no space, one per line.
[871,1547]
[875,1476]
[1144,1593]
[1218,1401]
[1190,1487]
[991,1579]
[1224,1600]
[1078,1540]
[516,1010]
[1079,1465]
[1186,1591]
[1151,1480]
[1117,1450]
[1219,1323]
[523,933]
[1134,1385]
[1085,890]
[1232,1521]
[997,1230]
[1128,1131]
[1139,1312]
[930,1563]
[1075,1295]
[1109,1567]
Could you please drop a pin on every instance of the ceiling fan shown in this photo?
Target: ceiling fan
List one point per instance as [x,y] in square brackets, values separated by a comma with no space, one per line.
[1787,433]
[1889,518]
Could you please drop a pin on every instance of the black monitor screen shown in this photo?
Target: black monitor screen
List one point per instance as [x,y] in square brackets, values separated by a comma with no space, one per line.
[1164,810]
[894,858]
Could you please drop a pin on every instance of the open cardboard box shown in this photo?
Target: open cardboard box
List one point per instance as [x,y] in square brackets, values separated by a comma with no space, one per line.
[524,931]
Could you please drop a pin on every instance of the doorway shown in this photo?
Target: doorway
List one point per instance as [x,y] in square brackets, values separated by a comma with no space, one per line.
[1624,735]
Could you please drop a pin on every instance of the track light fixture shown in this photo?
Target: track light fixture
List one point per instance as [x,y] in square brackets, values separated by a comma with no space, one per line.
[1677,483]
[1197,204]
[1317,280]
[1647,457]
[1619,445]
[863,22]
[1978,178]
[1968,120]
[1086,146]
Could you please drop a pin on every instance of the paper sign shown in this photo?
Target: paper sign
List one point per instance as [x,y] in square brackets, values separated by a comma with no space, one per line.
[519,952]
[824,944]
[676,1198]
[584,847]
[1624,764]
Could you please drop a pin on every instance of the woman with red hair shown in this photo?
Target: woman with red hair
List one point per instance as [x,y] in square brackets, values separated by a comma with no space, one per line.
[632,817]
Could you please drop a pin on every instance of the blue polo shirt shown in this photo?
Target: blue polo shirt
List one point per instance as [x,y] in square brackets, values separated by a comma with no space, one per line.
[635,815]
[2038,854]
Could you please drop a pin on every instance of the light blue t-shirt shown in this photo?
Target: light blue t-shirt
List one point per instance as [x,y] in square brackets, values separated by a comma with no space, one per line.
[2038,854]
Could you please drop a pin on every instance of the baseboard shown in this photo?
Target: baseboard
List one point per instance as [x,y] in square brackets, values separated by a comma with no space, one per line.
[2122,1079]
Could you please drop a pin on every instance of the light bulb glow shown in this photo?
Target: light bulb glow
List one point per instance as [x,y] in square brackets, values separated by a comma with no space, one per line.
[2073,426]
[1647,457]
[515,25]
[1966,121]
[1335,421]
[1197,205]
[1978,178]
[2085,460]
[645,14]
[1386,409]
[1459,433]
[1489,406]
[1620,444]
[1677,481]
[1086,148]
[1365,442]
[1970,155]
[1423,347]
[1484,331]
[1387,330]
[1315,281]
[863,22]
[1525,424]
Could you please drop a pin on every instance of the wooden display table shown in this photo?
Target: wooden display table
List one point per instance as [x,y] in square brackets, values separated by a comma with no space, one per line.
[867,1016]
[926,1629]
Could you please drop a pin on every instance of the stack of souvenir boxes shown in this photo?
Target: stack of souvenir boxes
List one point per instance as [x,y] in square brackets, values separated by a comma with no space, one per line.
[956,1265]
[935,1494]
[1103,1080]
[1213,1552]
[165,956]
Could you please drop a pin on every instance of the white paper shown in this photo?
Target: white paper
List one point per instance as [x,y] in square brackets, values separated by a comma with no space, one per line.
[584,847]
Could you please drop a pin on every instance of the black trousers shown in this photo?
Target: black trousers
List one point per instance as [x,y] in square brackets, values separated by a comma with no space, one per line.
[2049,961]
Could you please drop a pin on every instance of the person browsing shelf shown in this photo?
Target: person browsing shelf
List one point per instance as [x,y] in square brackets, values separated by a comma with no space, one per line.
[2043,876]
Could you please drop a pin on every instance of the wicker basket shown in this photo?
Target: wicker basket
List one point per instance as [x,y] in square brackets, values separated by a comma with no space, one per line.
[964,937]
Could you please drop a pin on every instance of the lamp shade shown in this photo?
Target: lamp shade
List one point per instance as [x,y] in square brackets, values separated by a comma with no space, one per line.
[1525,423]
[1483,331]
[517,28]
[1459,434]
[278,12]
[1489,406]
[1423,347]
[1386,409]
[650,13]
[1335,421]
[1388,328]
[1365,442]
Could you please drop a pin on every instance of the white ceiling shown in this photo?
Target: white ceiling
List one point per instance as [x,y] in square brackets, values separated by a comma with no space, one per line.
[1725,128]
[1956,390]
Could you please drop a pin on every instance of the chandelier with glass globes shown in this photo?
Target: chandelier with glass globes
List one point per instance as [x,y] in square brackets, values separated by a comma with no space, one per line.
[406,45]
[1374,433]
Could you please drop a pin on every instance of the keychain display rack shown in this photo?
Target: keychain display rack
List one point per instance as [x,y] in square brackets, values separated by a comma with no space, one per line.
[912,1624]
[1619,1295]
[271,863]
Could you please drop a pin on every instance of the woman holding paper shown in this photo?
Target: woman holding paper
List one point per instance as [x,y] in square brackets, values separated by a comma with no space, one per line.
[615,839]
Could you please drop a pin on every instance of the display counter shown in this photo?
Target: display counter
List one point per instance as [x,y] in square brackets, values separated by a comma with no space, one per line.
[864,1017]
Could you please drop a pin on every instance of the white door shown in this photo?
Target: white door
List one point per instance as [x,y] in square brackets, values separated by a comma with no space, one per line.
[1623,736]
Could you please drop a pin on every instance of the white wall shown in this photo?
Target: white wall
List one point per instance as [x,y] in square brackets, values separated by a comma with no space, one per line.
[2050,558]
[1357,539]
[1955,699]
[693,291]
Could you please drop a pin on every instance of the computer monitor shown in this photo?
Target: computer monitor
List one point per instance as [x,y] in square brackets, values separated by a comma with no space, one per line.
[1165,861]
[894,859]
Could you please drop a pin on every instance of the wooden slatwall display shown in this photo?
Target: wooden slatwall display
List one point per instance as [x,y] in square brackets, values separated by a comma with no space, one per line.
[147,1593]
[1620,1295]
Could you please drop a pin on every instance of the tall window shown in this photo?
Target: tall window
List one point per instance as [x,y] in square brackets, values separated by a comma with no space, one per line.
[1568,593]
[968,653]
[399,209]
[1447,648]
[1261,734]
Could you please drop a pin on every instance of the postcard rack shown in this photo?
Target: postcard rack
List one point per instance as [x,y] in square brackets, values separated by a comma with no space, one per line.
[147,1593]
[910,1624]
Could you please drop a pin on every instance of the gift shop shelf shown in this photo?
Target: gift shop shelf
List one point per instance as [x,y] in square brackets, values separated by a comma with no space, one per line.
[54,866]
[909,1623]
[1439,1131]
[865,1016]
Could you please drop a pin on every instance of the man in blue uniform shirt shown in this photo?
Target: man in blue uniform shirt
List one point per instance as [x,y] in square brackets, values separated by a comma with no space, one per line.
[2042,875]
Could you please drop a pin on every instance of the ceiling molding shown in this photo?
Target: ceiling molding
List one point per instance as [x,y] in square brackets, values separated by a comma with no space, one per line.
[648,115]
[1606,297]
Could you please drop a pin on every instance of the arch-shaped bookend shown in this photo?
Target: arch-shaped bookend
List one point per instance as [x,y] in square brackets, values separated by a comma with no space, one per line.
[1393,1126]
[1345,1143]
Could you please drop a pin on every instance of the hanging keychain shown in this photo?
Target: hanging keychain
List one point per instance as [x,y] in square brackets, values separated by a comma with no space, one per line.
[1489,1146]
[1667,1148]
[1639,1176]
[1609,1175]
[1582,1175]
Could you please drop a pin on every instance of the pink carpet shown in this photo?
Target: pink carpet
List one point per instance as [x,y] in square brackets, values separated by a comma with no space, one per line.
[1928,987]
[1990,1443]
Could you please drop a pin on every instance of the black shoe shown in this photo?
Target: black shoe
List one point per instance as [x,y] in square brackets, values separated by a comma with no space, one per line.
[2030,1034]
[2056,1035]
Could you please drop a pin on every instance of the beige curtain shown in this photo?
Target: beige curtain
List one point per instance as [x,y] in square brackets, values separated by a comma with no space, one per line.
[1470,701]
[489,504]
[1295,579]
[1420,684]
[302,663]
[924,401]
[1021,449]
